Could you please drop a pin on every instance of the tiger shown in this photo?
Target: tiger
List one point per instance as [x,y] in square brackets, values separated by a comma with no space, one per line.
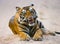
[25,24]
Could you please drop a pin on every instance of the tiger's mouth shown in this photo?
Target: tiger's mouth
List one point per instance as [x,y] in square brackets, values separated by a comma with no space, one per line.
[31,22]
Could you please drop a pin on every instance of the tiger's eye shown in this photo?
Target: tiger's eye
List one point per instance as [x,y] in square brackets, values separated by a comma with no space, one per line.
[30,8]
[23,12]
[22,17]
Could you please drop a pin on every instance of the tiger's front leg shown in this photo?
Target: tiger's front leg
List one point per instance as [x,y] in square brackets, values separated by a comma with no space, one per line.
[24,36]
[38,36]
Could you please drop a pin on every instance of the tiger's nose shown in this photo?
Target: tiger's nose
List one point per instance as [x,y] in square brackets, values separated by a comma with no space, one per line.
[30,18]
[25,20]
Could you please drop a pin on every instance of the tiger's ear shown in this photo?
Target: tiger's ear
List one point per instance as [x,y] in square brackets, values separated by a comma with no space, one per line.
[18,8]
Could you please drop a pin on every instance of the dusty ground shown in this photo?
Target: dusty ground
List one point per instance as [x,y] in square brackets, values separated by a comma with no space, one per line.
[12,39]
[48,12]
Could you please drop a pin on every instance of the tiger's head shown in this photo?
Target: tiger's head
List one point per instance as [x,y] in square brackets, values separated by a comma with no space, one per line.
[27,15]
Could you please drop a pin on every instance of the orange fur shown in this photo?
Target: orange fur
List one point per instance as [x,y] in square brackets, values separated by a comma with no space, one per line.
[16,29]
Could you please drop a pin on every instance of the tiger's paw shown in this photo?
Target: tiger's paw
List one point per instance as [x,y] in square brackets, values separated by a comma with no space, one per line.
[26,38]
[38,39]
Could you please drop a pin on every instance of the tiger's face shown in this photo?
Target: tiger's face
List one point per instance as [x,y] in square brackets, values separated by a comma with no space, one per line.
[27,15]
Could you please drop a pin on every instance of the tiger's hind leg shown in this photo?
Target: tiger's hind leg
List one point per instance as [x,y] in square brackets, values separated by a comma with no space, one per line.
[47,32]
[23,36]
[18,31]
[12,26]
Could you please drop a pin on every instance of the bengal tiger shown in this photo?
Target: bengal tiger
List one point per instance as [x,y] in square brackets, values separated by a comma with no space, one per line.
[25,24]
